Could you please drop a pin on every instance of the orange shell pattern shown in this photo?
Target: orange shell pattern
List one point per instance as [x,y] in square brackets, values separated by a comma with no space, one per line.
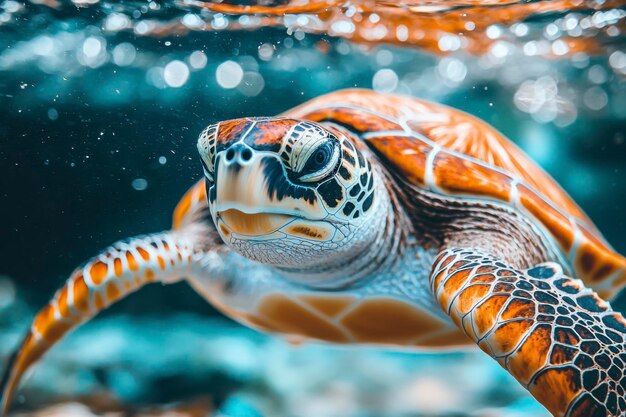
[413,22]
[450,152]
[557,338]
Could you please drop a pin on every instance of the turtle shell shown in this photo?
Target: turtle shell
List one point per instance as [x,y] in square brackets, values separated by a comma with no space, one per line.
[450,152]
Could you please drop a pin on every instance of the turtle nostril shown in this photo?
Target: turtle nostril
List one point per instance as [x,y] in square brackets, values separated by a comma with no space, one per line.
[230,155]
[246,155]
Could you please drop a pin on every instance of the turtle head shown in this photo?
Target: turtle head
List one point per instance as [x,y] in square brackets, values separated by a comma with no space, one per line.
[289,193]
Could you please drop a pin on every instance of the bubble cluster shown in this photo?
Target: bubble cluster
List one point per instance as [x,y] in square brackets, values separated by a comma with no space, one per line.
[540,98]
[521,56]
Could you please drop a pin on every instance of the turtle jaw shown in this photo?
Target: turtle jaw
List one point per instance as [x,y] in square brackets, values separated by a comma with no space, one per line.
[282,240]
[265,226]
[253,202]
[246,201]
[257,224]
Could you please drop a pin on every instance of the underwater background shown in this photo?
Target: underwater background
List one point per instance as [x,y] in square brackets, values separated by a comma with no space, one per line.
[101,104]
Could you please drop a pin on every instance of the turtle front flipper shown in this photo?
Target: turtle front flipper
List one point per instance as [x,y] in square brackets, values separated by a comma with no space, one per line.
[555,336]
[117,272]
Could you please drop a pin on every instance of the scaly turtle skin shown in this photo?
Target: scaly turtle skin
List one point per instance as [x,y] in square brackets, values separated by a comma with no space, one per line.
[367,218]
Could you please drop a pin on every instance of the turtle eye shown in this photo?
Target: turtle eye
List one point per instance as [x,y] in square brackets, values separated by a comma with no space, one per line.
[320,163]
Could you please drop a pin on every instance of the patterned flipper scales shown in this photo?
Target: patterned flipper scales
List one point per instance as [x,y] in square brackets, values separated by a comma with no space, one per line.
[118,271]
[555,336]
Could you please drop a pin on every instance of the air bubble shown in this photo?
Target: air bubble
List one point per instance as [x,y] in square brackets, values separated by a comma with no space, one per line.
[53,114]
[176,74]
[229,74]
[385,80]
[139,184]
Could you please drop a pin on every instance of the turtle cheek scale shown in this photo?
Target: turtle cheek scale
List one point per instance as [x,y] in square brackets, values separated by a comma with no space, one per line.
[206,147]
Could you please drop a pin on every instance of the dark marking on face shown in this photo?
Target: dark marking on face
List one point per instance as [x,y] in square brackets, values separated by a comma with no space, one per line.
[363,179]
[210,185]
[210,192]
[368,202]
[349,158]
[345,174]
[279,186]
[355,190]
[347,209]
[332,192]
[299,129]
[360,158]
[307,231]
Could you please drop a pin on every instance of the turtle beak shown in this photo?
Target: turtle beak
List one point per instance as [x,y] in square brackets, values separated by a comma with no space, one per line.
[244,201]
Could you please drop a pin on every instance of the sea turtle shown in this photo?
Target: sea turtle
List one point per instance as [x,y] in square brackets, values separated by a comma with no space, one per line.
[361,217]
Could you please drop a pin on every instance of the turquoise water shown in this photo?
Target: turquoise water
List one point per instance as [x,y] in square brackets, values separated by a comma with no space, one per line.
[102,103]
